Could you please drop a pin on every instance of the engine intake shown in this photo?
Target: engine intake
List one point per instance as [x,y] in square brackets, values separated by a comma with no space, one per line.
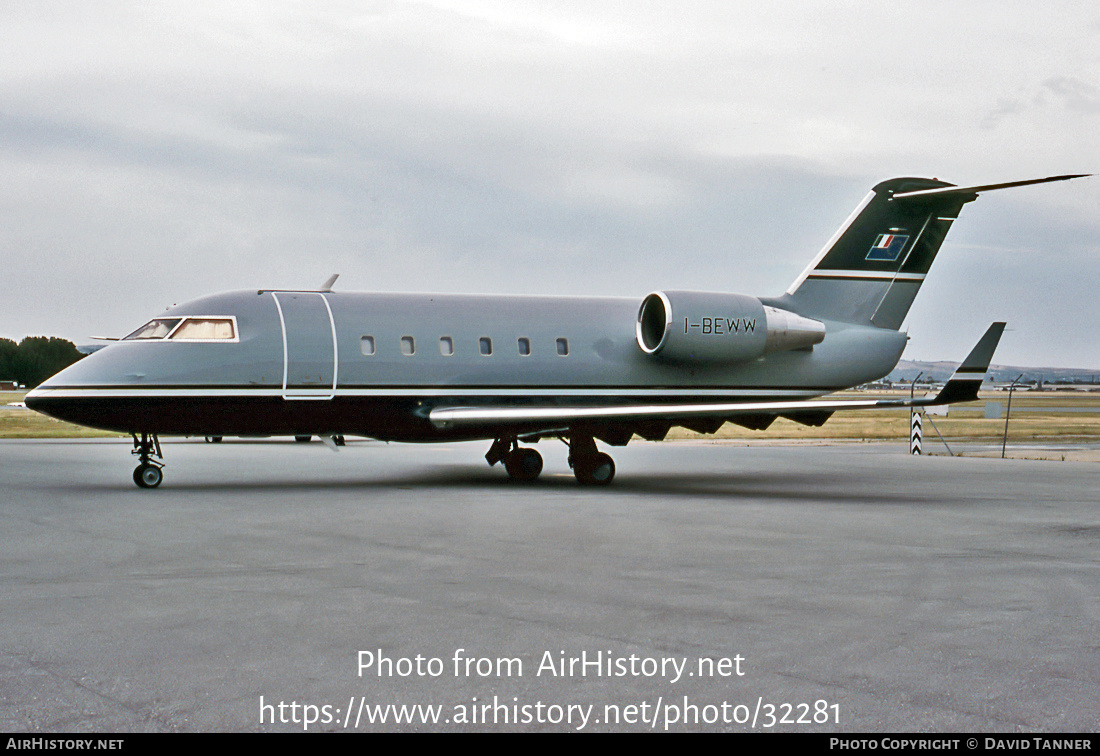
[709,327]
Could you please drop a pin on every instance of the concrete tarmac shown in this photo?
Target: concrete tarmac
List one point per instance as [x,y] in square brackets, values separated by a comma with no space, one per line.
[270,585]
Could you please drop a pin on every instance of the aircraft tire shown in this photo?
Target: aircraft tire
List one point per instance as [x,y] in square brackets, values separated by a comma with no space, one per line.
[598,470]
[148,476]
[523,464]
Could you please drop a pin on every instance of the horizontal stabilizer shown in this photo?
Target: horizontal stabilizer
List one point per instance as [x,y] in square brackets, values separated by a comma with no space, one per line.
[963,190]
[967,378]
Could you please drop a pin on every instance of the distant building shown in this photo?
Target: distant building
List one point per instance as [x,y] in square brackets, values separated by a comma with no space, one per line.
[8,386]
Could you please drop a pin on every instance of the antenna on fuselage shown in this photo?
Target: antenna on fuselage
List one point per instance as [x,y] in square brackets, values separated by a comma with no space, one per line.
[327,285]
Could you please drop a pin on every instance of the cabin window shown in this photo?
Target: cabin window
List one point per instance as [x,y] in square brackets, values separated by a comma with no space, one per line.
[366,346]
[205,329]
[446,346]
[154,329]
[486,345]
[563,347]
[408,346]
[525,346]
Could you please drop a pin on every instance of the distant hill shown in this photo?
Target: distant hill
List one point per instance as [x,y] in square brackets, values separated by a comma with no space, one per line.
[939,372]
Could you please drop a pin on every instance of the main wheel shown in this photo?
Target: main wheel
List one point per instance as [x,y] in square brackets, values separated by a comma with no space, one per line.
[523,464]
[598,470]
[148,476]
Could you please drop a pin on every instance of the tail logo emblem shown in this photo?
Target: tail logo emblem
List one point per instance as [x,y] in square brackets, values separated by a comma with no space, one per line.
[887,247]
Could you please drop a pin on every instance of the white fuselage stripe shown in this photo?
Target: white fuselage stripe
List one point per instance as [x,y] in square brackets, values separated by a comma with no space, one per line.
[432,391]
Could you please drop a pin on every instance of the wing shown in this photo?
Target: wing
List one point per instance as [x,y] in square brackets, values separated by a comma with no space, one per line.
[962,387]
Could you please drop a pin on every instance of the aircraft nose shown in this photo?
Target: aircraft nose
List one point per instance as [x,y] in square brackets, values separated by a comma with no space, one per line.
[49,398]
[71,395]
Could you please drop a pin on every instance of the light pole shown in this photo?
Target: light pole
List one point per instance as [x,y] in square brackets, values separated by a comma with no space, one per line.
[1008,413]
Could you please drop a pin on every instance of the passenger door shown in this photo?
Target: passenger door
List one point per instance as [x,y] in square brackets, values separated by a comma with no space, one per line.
[310,356]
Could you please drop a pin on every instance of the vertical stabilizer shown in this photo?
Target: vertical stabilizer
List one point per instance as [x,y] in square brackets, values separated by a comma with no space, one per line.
[873,267]
[871,270]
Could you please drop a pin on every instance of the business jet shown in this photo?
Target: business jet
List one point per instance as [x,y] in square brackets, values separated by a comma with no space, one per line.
[515,370]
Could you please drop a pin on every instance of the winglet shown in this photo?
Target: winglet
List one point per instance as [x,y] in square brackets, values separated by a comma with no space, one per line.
[967,378]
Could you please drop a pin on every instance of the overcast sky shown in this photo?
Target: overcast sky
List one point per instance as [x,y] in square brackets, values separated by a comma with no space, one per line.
[151,153]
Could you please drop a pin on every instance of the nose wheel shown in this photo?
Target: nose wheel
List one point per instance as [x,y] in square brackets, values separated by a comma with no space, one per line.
[150,472]
[148,476]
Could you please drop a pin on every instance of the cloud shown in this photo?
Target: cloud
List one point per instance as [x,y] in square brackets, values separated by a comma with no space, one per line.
[1075,95]
[150,153]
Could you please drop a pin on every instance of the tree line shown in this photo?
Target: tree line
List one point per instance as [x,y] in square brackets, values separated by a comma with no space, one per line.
[35,358]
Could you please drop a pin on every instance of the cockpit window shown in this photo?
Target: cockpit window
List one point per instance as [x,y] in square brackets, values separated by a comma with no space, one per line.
[206,329]
[154,329]
[187,329]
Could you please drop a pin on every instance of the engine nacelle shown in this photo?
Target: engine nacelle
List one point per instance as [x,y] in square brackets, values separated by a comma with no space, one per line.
[694,326]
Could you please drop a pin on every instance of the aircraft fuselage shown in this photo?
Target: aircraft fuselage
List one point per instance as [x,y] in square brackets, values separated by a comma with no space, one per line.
[375,364]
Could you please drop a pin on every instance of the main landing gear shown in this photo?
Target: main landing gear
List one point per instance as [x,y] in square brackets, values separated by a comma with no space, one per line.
[591,467]
[148,474]
[520,462]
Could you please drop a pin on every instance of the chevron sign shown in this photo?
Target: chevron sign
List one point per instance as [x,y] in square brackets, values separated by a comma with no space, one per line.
[916,422]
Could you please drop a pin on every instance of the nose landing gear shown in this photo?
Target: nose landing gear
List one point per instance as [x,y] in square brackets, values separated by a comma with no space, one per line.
[148,474]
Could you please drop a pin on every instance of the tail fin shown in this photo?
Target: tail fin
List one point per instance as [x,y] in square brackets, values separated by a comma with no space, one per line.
[873,267]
